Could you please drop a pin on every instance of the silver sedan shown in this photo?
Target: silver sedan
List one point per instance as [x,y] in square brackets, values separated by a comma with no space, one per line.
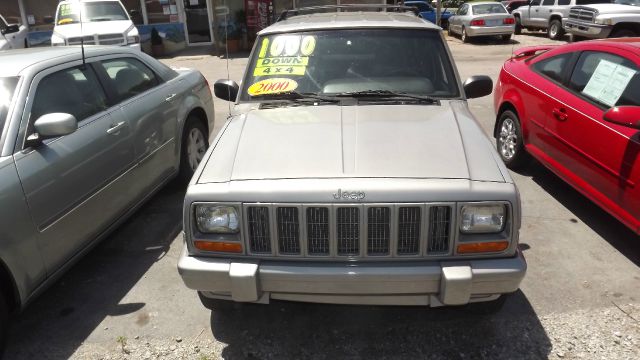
[482,19]
[82,145]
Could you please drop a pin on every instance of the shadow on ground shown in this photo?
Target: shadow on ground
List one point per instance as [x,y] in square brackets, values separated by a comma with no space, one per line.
[287,330]
[609,228]
[59,320]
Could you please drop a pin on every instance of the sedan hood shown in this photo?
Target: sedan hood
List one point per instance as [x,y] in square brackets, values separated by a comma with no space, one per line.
[374,141]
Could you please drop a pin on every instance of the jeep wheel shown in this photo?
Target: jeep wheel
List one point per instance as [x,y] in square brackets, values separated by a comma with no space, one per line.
[463,36]
[509,141]
[518,28]
[194,145]
[449,32]
[623,33]
[555,30]
[4,323]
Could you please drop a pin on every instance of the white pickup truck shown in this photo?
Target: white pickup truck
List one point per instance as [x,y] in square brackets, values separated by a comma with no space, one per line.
[12,36]
[619,19]
[547,15]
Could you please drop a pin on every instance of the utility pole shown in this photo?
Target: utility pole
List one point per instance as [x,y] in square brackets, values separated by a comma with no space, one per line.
[438,11]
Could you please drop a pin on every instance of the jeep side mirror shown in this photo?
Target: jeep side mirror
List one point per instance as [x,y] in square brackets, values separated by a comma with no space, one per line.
[478,86]
[10,29]
[226,89]
[628,116]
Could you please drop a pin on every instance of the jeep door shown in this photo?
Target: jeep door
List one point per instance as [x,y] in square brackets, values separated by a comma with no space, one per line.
[73,183]
[600,158]
[151,108]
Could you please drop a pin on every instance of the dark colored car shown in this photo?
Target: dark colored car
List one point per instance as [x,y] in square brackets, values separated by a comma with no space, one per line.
[576,109]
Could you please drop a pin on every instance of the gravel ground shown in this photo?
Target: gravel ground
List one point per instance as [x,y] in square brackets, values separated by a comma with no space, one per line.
[610,333]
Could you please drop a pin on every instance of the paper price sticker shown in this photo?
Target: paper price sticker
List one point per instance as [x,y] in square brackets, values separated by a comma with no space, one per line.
[608,82]
[272,86]
[279,70]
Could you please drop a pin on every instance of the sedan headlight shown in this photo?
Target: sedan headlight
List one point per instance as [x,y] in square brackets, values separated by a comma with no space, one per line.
[218,219]
[483,218]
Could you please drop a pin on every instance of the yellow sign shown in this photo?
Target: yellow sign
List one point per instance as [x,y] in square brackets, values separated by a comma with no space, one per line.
[272,86]
[283,61]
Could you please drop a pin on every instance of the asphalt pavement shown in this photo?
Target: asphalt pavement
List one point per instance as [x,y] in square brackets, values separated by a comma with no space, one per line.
[580,298]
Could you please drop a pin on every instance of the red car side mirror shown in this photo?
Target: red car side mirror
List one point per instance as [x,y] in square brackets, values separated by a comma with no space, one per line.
[628,116]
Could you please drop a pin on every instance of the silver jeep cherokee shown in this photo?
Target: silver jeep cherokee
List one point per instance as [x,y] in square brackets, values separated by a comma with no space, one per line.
[351,171]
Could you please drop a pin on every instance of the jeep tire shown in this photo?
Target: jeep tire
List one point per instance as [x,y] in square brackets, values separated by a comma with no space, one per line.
[555,30]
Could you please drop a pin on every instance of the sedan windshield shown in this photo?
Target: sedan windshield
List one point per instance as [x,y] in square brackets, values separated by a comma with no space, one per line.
[91,12]
[7,86]
[363,62]
[489,9]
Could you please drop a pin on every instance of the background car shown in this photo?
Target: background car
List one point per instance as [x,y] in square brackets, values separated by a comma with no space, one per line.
[482,19]
[576,109]
[511,5]
[12,36]
[82,146]
[428,12]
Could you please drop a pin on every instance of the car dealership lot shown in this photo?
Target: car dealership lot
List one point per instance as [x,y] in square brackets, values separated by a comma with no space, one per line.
[580,298]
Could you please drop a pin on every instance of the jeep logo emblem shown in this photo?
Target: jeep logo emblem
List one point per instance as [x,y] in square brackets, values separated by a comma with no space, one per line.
[353,195]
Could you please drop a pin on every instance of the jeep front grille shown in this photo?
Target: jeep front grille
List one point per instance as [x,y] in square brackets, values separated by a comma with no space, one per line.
[439,229]
[111,39]
[258,226]
[349,230]
[318,230]
[288,230]
[582,14]
[409,230]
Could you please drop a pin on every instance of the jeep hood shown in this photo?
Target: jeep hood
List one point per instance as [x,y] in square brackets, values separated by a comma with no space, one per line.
[365,141]
[612,8]
[93,28]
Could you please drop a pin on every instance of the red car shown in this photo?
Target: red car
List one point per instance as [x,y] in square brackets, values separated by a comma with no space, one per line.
[576,109]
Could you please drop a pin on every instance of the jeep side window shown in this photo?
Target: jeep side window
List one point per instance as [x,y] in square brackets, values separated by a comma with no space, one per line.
[548,2]
[553,67]
[564,2]
[535,2]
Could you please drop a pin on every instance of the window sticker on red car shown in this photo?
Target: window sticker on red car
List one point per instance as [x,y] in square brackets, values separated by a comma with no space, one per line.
[285,55]
[608,82]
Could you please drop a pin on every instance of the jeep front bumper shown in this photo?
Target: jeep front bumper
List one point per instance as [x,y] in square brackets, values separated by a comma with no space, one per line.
[588,30]
[433,283]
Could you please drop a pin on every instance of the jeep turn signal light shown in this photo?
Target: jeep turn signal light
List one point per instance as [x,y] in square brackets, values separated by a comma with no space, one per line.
[483,247]
[229,247]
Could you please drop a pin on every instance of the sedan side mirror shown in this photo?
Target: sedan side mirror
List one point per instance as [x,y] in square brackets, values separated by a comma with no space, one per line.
[628,116]
[226,89]
[10,29]
[52,125]
[478,86]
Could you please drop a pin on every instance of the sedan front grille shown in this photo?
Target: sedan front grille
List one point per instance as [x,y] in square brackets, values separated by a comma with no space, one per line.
[349,230]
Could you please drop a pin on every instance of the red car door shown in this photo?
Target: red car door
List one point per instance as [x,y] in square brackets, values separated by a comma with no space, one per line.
[601,159]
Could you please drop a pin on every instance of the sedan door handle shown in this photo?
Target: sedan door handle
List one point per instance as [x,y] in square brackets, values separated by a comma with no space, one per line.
[170,97]
[114,129]
[560,114]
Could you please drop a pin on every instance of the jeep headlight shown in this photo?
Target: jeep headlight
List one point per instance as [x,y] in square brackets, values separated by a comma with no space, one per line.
[132,35]
[217,219]
[483,218]
[57,40]
[604,21]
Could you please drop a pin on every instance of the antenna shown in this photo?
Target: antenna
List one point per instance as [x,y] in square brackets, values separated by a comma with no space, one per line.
[84,62]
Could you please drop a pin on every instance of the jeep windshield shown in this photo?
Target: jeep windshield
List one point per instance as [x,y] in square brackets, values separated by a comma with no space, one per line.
[375,63]
[91,12]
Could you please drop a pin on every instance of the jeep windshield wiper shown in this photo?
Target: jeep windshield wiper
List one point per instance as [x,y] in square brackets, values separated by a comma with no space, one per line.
[385,94]
[296,96]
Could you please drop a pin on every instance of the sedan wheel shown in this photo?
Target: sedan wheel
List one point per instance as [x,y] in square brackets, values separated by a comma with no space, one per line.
[464,37]
[510,142]
[194,146]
